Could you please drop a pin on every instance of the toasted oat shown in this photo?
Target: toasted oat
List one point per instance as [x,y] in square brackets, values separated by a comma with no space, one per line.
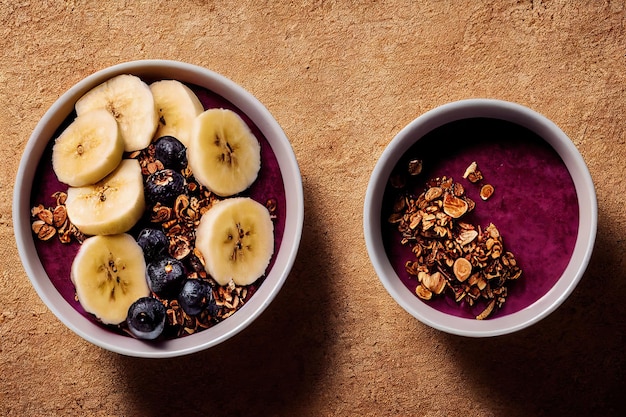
[179,223]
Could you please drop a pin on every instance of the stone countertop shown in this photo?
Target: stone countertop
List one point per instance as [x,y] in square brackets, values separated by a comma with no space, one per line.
[342,78]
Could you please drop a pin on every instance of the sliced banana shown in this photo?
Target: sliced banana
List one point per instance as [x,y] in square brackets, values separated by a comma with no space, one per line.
[177,106]
[109,273]
[89,149]
[236,240]
[223,154]
[130,101]
[112,205]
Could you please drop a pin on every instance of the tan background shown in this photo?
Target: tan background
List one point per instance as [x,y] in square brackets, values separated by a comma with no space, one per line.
[342,78]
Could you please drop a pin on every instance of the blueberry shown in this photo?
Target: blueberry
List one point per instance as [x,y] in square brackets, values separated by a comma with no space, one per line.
[154,243]
[165,276]
[146,318]
[164,187]
[196,295]
[171,152]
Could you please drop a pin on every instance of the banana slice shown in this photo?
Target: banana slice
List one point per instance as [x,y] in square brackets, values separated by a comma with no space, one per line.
[112,205]
[177,106]
[109,274]
[88,150]
[130,101]
[224,155]
[236,240]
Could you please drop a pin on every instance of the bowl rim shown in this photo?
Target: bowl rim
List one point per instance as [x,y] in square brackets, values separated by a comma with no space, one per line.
[587,228]
[285,258]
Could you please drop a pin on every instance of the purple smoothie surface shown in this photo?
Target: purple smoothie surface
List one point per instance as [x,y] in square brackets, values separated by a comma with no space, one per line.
[57,257]
[534,206]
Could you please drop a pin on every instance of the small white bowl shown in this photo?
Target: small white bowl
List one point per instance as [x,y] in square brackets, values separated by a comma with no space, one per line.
[528,308]
[283,259]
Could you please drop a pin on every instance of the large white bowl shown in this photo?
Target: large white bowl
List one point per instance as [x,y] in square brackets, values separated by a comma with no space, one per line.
[257,113]
[584,242]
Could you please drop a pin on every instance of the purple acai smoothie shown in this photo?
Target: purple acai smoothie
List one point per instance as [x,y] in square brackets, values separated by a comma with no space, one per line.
[534,205]
[57,257]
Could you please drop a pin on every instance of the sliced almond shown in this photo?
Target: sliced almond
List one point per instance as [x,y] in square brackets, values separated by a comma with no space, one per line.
[462,269]
[486,191]
[454,206]
[46,216]
[433,193]
[423,292]
[466,237]
[59,216]
[487,311]
[435,282]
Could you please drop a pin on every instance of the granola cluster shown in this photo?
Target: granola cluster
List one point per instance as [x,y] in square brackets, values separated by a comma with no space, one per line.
[179,222]
[228,299]
[48,222]
[451,255]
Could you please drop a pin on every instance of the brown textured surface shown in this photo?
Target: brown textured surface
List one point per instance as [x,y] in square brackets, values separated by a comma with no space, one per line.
[341,78]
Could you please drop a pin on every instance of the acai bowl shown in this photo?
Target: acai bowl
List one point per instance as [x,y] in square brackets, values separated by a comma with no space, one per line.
[48,262]
[496,184]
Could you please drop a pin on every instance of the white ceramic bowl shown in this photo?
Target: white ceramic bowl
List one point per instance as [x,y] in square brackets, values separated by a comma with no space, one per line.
[284,258]
[527,309]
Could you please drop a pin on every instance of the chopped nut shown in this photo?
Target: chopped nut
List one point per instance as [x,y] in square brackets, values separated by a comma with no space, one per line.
[60,197]
[271,206]
[493,231]
[423,292]
[434,282]
[415,167]
[454,206]
[450,252]
[458,189]
[46,232]
[428,221]
[180,205]
[154,166]
[178,222]
[180,246]
[415,219]
[433,193]
[472,173]
[160,213]
[46,216]
[37,225]
[486,191]
[470,204]
[36,210]
[487,311]
[462,269]
[466,237]
[52,221]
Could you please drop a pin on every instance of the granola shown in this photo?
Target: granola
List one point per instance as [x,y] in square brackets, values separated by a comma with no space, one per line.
[179,222]
[452,256]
